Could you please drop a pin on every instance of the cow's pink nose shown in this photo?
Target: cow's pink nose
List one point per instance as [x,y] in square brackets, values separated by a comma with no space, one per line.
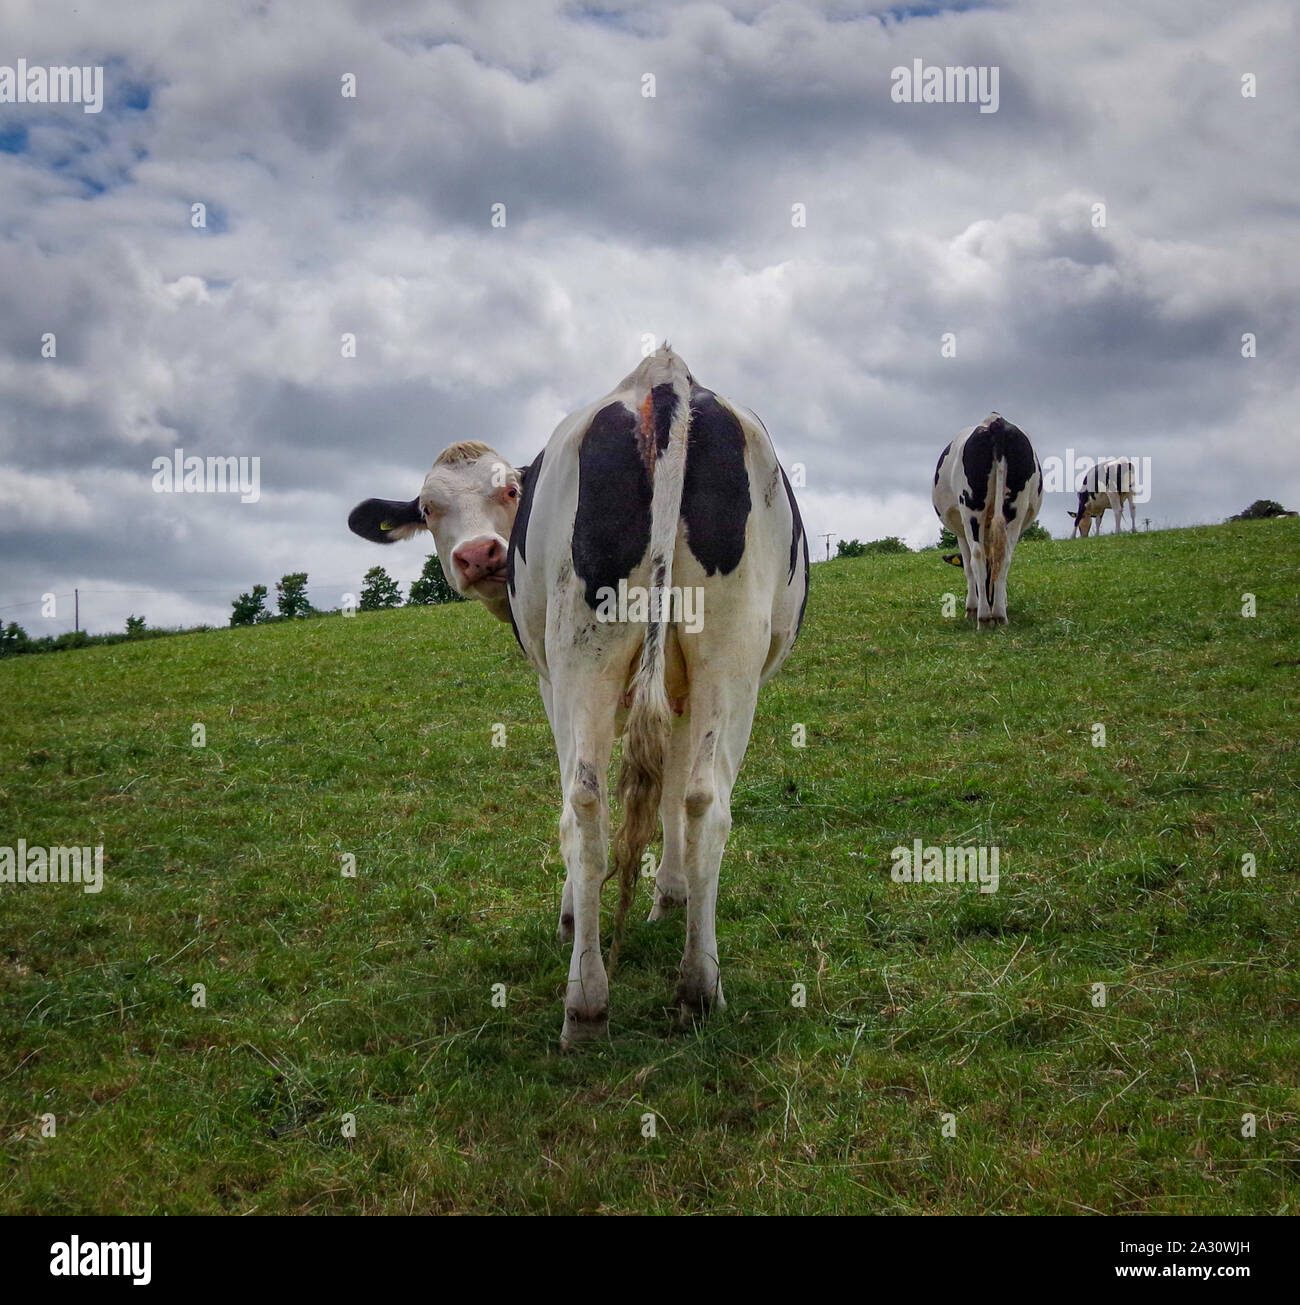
[478,558]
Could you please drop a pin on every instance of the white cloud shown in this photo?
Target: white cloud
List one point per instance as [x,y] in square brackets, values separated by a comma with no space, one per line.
[626,215]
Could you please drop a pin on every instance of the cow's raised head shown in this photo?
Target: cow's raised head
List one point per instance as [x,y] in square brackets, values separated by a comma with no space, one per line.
[468,504]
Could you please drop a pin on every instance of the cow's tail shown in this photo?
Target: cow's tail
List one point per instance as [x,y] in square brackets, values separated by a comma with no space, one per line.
[994,525]
[663,387]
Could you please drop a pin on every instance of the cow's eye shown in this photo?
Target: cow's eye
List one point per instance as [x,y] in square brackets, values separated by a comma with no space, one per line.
[513,491]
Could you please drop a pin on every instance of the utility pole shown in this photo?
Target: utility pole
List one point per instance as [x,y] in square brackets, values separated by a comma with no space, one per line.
[827,537]
[76,609]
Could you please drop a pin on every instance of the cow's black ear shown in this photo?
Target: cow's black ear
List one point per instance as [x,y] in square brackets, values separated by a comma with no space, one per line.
[1068,513]
[953,559]
[385,520]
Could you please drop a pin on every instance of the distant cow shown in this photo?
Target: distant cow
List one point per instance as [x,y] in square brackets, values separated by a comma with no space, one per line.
[988,487]
[658,488]
[1109,484]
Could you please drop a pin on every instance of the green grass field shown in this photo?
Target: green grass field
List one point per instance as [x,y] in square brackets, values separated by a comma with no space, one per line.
[373,996]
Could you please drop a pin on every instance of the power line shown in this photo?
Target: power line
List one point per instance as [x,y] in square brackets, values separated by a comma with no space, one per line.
[4,607]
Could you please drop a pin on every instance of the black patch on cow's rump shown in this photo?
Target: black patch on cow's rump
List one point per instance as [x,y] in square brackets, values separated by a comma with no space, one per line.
[797,537]
[715,489]
[611,530]
[376,518]
[1021,463]
[938,466]
[976,463]
[999,438]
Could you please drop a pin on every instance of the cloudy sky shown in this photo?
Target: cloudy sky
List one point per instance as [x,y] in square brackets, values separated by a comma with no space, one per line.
[804,240]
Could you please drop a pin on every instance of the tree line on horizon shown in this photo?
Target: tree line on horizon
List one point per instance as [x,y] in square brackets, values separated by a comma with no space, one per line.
[380,592]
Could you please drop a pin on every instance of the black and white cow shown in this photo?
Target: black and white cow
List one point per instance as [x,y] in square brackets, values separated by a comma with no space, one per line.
[1109,484]
[659,492]
[988,487]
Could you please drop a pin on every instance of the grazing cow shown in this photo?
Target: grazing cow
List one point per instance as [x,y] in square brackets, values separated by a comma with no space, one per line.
[659,492]
[1109,484]
[988,487]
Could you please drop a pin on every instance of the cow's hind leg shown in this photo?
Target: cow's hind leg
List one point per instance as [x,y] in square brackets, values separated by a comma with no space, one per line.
[968,569]
[670,882]
[564,931]
[583,723]
[979,577]
[1000,580]
[955,522]
[723,714]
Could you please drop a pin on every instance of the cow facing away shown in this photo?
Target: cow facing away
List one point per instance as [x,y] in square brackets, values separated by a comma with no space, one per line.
[988,487]
[659,493]
[1110,484]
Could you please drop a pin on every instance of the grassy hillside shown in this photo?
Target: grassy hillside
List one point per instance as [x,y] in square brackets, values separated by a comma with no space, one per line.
[373,995]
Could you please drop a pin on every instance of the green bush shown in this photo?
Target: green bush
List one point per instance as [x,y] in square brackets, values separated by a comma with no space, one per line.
[250,608]
[432,586]
[379,591]
[1261,509]
[292,595]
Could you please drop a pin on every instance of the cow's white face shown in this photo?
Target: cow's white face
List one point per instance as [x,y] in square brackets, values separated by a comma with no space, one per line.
[469,507]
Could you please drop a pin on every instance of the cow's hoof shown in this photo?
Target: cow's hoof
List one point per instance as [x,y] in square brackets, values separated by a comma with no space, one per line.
[565,932]
[972,611]
[988,622]
[695,1003]
[580,1027]
[664,906]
